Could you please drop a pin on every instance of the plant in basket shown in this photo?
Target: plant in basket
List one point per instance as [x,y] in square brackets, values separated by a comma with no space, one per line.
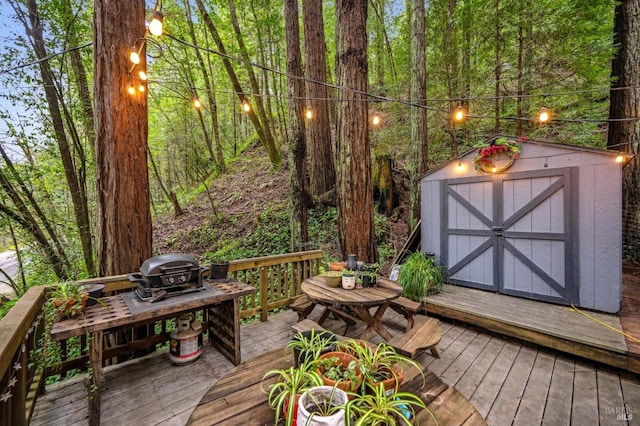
[290,384]
[66,299]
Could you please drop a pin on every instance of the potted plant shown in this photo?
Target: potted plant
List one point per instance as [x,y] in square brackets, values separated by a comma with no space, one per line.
[420,276]
[348,279]
[381,366]
[369,274]
[66,300]
[309,345]
[378,408]
[290,383]
[340,369]
[322,405]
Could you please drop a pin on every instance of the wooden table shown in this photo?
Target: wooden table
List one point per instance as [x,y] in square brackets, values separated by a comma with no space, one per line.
[220,298]
[346,303]
[240,398]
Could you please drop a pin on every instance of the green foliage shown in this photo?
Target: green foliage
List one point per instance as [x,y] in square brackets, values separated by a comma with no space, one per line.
[420,276]
[377,408]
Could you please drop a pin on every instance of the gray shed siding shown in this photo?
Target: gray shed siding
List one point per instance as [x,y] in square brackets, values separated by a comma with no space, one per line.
[594,221]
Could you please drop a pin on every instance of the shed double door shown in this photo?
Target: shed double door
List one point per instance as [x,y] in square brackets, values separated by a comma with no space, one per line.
[511,233]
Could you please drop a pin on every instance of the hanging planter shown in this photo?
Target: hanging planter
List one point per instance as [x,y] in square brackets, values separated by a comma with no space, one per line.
[497,156]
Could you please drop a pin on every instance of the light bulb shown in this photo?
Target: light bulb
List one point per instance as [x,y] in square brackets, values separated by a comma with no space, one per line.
[197,103]
[459,114]
[141,88]
[376,120]
[143,76]
[245,106]
[619,159]
[131,90]
[134,57]
[155,26]
[308,114]
[544,115]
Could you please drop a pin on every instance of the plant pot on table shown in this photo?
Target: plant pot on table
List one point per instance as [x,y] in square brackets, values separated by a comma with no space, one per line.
[322,405]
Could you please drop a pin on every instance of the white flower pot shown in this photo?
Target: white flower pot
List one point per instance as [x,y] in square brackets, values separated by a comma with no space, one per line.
[318,392]
[349,282]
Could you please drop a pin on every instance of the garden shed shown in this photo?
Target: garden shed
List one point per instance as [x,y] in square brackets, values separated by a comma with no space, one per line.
[533,219]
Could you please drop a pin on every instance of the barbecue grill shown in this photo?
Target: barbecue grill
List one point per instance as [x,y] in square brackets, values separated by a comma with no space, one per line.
[168,275]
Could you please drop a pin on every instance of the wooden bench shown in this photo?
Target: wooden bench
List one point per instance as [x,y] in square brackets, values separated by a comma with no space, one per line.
[306,325]
[425,334]
[302,306]
[407,308]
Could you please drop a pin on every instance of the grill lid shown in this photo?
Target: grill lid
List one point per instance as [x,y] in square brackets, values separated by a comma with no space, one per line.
[168,263]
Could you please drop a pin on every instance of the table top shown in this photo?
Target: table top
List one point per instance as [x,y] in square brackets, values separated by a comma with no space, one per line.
[240,396]
[112,311]
[317,289]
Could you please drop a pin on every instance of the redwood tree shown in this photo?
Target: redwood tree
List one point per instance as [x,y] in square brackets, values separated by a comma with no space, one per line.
[124,216]
[624,129]
[355,189]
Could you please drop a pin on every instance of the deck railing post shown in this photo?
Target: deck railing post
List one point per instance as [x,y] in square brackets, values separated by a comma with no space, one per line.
[264,295]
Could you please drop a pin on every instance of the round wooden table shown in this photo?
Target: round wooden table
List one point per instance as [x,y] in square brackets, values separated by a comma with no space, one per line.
[354,304]
[240,398]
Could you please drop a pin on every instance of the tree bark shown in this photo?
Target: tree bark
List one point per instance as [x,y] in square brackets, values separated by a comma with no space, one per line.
[355,189]
[125,232]
[419,141]
[297,143]
[624,135]
[322,174]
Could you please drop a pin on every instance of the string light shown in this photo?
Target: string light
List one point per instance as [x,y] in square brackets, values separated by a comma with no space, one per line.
[197,103]
[459,114]
[245,106]
[143,75]
[619,159]
[543,116]
[375,120]
[155,26]
[131,90]
[308,113]
[141,88]
[134,57]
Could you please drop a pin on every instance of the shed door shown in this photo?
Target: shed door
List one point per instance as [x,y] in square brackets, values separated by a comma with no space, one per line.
[511,233]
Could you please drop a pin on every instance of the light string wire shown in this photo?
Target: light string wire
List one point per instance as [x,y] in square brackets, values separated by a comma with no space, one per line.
[373,97]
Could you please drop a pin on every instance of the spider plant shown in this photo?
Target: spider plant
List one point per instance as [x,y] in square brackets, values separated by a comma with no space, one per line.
[378,408]
[290,383]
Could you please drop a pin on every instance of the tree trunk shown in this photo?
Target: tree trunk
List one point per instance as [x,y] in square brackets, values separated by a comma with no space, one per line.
[297,144]
[125,232]
[624,135]
[419,146]
[322,174]
[497,66]
[355,189]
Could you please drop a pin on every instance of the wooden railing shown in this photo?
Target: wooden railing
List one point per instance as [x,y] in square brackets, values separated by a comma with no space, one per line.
[277,281]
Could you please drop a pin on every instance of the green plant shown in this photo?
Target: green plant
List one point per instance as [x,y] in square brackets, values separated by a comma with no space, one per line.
[309,345]
[380,363]
[378,408]
[341,370]
[322,401]
[420,276]
[65,299]
[289,383]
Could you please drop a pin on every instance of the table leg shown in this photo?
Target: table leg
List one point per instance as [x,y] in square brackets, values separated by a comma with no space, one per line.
[373,321]
[95,387]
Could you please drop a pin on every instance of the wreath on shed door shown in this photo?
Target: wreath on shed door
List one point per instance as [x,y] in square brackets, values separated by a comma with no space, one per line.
[497,156]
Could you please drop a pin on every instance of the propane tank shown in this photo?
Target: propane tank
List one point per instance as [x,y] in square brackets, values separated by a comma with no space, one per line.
[186,340]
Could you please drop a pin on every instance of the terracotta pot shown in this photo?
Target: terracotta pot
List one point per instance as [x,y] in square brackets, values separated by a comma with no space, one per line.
[343,359]
[389,384]
[70,303]
[338,266]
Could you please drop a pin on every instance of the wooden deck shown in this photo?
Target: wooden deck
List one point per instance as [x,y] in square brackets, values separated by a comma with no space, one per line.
[508,381]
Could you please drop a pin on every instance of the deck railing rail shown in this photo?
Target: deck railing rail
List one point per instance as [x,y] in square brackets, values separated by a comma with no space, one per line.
[276,278]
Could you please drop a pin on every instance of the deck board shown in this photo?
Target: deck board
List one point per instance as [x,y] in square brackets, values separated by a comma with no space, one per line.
[481,366]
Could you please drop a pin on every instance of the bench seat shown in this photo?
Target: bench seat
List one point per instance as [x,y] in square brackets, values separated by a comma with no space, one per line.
[302,306]
[407,308]
[424,335]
